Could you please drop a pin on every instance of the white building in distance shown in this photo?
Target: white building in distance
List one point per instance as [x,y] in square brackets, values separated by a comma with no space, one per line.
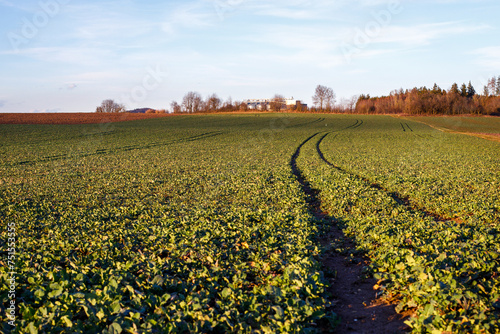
[258,104]
[265,104]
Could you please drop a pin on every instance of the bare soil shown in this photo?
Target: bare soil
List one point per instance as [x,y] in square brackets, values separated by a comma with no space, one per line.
[355,300]
[73,118]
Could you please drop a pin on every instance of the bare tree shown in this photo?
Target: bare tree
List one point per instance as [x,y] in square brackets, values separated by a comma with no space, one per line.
[228,105]
[240,105]
[486,90]
[192,102]
[110,106]
[343,104]
[347,104]
[198,105]
[176,108]
[351,103]
[213,103]
[277,102]
[491,88]
[324,97]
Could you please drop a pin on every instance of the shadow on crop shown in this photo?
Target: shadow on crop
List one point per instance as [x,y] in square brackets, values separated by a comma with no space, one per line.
[351,306]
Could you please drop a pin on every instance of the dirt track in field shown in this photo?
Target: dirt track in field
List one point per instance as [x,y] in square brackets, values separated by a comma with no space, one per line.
[73,118]
[354,298]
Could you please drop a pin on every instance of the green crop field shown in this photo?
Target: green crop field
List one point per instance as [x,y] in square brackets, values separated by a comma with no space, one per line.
[201,223]
[489,126]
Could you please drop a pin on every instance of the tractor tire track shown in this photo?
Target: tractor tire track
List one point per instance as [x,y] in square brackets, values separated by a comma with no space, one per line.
[400,199]
[312,199]
[406,126]
[357,124]
[115,150]
[354,300]
[306,123]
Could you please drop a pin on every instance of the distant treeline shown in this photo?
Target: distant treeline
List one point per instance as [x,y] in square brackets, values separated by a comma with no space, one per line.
[435,101]
[417,101]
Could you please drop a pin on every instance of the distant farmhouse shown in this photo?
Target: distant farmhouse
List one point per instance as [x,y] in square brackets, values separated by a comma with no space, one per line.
[295,104]
[265,104]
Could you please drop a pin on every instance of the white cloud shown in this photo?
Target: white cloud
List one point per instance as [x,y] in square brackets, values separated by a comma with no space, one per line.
[319,9]
[15,5]
[296,45]
[78,55]
[45,110]
[93,77]
[424,33]
[106,25]
[375,39]
[488,57]
[298,9]
[188,16]
[288,13]
[318,38]
[6,3]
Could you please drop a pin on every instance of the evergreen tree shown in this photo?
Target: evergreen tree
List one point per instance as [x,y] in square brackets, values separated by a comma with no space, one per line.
[470,91]
[436,89]
[463,90]
[454,89]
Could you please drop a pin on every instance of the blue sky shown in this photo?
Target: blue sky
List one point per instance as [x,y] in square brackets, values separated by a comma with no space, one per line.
[69,55]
